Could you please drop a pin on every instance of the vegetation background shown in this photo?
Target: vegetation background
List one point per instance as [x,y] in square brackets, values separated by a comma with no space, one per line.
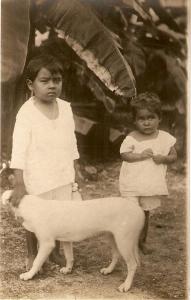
[110,50]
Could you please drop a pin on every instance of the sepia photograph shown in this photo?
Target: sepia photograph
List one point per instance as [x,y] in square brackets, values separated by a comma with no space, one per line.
[94,164]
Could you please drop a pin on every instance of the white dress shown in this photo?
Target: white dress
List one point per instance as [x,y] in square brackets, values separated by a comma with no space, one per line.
[145,178]
[44,149]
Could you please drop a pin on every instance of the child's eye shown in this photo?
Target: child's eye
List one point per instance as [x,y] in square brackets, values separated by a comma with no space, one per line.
[57,80]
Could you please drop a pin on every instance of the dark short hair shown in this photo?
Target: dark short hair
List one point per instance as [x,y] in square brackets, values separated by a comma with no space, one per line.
[147,100]
[51,63]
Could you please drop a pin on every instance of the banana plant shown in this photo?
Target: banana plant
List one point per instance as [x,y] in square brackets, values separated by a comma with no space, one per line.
[112,42]
[15,33]
[79,26]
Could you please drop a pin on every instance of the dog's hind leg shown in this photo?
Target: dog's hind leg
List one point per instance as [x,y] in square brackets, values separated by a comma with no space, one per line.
[115,257]
[45,248]
[68,252]
[128,247]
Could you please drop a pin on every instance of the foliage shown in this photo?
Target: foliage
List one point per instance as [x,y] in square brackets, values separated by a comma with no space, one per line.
[14,38]
[147,35]
[105,46]
[107,37]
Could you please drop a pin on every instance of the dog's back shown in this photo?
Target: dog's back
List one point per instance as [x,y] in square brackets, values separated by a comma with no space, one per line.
[83,218]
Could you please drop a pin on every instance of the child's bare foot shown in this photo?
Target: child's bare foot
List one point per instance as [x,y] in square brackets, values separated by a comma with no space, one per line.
[144,249]
[57,258]
[29,262]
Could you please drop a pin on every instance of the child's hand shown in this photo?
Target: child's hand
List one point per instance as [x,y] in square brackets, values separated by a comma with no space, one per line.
[18,193]
[159,159]
[147,153]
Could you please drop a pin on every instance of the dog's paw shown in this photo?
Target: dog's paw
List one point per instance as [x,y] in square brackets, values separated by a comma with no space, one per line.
[65,270]
[105,271]
[26,276]
[123,288]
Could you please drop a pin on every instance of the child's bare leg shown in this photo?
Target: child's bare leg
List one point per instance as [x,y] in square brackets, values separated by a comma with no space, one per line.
[56,257]
[31,249]
[144,233]
[68,251]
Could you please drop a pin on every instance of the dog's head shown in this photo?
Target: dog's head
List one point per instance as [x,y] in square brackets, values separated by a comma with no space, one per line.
[6,197]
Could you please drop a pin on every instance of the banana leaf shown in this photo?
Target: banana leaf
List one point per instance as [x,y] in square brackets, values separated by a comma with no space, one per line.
[135,57]
[15,27]
[175,70]
[77,24]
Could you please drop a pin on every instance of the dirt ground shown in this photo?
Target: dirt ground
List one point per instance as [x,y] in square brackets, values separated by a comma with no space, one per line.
[162,274]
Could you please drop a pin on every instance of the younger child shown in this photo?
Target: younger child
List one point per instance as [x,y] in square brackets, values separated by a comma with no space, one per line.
[44,145]
[146,152]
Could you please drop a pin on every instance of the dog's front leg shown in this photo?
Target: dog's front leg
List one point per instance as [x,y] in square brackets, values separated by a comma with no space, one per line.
[44,250]
[68,252]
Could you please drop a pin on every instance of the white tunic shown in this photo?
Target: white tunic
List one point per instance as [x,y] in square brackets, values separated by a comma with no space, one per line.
[145,178]
[44,149]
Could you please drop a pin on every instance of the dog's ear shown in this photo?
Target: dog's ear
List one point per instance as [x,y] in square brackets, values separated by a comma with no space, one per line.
[6,197]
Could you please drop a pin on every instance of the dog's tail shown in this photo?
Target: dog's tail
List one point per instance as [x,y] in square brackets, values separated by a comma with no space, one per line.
[6,196]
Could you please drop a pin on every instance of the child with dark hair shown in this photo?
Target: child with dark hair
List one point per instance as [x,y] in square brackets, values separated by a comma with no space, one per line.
[146,152]
[44,149]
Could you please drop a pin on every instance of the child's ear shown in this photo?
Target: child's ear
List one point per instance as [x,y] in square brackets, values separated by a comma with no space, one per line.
[29,84]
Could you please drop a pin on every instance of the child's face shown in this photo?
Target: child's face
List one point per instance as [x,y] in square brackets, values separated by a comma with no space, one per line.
[46,87]
[146,122]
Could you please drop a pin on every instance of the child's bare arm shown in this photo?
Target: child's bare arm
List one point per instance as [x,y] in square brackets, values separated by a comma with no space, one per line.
[134,157]
[166,159]
[19,189]
[77,170]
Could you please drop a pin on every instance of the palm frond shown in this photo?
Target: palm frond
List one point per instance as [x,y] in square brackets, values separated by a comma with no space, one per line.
[92,41]
[15,27]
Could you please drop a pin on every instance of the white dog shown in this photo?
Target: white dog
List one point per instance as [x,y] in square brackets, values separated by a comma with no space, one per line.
[72,221]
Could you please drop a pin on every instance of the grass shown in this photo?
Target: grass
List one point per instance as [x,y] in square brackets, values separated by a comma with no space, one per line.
[162,275]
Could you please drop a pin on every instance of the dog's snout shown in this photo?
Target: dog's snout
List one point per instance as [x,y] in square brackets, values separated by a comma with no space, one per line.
[6,196]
